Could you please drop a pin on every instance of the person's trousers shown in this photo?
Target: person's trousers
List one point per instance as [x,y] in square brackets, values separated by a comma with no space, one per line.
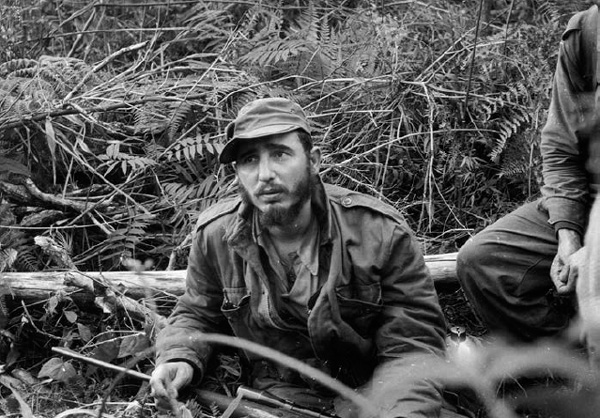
[505,273]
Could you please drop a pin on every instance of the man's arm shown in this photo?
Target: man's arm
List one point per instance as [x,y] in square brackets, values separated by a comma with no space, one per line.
[566,182]
[197,310]
[412,325]
[566,186]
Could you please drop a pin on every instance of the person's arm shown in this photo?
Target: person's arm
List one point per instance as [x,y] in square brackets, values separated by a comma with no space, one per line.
[566,182]
[197,310]
[566,188]
[412,324]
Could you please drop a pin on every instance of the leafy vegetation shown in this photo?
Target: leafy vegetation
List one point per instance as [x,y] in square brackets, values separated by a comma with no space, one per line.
[120,110]
[112,116]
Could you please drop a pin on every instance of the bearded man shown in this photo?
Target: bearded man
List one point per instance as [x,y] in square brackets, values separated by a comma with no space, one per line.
[326,275]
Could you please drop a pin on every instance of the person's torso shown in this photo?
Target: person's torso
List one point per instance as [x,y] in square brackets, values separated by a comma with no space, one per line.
[350,261]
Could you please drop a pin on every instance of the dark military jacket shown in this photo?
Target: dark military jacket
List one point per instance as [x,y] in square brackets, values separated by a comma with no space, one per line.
[377,303]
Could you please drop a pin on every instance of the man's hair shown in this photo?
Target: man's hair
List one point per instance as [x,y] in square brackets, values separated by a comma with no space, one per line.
[305,140]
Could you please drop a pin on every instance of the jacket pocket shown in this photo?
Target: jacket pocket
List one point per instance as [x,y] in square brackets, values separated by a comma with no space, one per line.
[240,320]
[233,297]
[360,305]
[234,312]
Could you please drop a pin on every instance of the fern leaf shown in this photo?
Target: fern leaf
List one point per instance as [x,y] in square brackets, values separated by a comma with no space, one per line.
[17,64]
[28,260]
[151,118]
[7,258]
[179,115]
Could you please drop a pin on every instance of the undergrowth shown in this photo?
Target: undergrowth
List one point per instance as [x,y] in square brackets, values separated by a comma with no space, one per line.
[119,111]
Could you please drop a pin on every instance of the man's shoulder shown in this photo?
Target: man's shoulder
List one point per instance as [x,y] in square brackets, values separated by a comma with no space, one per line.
[582,20]
[351,199]
[220,211]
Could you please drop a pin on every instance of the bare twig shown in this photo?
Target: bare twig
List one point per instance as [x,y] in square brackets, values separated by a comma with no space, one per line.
[85,28]
[28,315]
[101,65]
[73,354]
[472,65]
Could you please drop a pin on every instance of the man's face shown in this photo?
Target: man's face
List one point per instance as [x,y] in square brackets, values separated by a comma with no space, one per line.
[275,175]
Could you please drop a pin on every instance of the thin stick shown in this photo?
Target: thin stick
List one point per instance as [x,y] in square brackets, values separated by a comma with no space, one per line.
[70,353]
[473,56]
[101,65]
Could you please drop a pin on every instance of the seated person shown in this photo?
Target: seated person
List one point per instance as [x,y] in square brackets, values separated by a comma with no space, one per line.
[520,273]
[326,275]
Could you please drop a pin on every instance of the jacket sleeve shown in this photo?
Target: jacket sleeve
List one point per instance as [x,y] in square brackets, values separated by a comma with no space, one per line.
[197,310]
[566,182]
[412,325]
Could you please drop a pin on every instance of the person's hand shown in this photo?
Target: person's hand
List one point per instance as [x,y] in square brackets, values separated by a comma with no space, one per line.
[166,381]
[567,262]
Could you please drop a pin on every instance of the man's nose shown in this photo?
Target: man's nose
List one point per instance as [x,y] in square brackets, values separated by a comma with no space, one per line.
[265,169]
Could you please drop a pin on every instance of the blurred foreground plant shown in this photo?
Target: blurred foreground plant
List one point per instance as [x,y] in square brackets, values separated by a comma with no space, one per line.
[588,287]
[548,378]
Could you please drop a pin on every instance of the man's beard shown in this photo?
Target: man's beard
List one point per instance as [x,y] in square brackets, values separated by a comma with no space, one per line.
[276,215]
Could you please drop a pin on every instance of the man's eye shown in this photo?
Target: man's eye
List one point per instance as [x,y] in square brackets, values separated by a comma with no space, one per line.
[279,154]
[249,159]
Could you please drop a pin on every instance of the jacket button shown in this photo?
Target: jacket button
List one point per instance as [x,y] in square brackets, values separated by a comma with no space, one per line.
[347,201]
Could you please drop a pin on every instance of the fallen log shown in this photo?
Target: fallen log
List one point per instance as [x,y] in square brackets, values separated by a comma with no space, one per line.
[442,268]
[42,285]
[149,284]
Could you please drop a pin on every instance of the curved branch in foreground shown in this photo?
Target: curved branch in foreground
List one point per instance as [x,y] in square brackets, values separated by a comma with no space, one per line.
[366,406]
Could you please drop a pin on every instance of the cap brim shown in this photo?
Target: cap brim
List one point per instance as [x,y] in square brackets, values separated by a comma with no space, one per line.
[228,153]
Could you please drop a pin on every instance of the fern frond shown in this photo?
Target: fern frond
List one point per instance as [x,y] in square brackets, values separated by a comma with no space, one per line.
[25,72]
[557,11]
[64,73]
[127,162]
[53,78]
[274,51]
[307,24]
[186,149]
[7,258]
[122,242]
[509,116]
[28,259]
[151,118]
[12,66]
[181,193]
[178,117]
[513,169]
[506,128]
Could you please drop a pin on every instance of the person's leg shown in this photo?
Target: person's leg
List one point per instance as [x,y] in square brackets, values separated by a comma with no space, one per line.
[505,274]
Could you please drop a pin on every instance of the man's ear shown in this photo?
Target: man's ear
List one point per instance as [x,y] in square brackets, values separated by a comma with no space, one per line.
[234,167]
[315,160]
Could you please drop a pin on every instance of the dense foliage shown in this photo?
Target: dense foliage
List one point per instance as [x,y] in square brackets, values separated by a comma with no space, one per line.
[116,112]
